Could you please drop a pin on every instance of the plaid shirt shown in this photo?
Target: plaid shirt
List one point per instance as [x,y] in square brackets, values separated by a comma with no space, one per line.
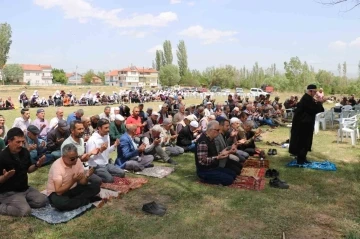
[202,154]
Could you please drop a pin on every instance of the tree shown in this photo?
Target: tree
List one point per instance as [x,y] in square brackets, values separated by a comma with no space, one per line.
[182,58]
[168,52]
[88,77]
[353,3]
[293,71]
[344,72]
[5,43]
[339,69]
[169,75]
[153,64]
[101,75]
[59,76]
[158,59]
[13,73]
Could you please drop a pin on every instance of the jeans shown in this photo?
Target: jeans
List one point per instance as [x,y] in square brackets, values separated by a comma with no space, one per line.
[191,148]
[74,198]
[49,158]
[56,154]
[268,122]
[223,176]
[106,172]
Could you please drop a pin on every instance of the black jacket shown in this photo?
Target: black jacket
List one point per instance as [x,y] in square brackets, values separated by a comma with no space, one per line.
[185,137]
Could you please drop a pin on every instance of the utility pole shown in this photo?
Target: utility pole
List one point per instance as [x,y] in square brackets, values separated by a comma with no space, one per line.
[76,75]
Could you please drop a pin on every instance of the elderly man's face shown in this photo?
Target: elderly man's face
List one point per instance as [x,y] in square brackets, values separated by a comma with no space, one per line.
[70,158]
[107,111]
[167,127]
[154,117]
[235,125]
[155,134]
[118,122]
[41,115]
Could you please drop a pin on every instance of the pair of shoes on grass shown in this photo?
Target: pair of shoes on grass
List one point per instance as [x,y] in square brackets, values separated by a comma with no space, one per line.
[154,208]
[277,183]
[272,173]
[272,152]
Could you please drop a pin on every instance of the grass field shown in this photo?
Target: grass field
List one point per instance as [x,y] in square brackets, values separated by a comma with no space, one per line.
[318,204]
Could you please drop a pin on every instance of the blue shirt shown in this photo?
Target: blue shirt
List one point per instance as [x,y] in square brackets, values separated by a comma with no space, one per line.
[71,118]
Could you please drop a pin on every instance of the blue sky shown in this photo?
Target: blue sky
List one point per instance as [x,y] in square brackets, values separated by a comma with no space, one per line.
[112,34]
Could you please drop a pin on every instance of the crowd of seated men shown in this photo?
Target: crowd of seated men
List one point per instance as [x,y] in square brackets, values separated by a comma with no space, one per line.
[78,147]
[6,104]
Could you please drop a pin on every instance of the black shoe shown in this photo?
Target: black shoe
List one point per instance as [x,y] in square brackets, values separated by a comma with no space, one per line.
[274,152]
[270,152]
[153,209]
[274,173]
[149,165]
[95,199]
[158,205]
[268,173]
[277,183]
[262,154]
[170,161]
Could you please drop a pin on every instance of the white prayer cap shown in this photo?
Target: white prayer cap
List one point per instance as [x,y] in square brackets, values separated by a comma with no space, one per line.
[119,117]
[194,124]
[155,113]
[234,120]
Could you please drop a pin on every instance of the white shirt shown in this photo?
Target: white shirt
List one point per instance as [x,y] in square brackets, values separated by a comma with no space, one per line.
[53,122]
[103,116]
[95,141]
[21,123]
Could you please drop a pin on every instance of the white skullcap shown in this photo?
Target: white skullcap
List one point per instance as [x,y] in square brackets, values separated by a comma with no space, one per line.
[171,96]
[234,120]
[157,128]
[236,108]
[155,113]
[119,117]
[194,124]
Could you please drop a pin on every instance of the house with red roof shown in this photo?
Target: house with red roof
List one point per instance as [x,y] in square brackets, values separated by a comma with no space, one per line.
[36,74]
[133,76]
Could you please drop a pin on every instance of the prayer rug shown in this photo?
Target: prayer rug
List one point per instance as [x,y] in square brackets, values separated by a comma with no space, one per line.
[124,185]
[54,216]
[325,165]
[253,172]
[157,171]
[256,163]
[251,183]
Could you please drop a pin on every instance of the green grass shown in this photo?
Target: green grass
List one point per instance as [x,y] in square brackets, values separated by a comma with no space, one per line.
[319,204]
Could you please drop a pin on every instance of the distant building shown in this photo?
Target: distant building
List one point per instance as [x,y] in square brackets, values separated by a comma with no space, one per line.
[95,80]
[133,76]
[74,78]
[34,75]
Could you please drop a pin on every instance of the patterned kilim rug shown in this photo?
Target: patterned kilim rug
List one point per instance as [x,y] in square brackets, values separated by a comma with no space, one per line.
[124,185]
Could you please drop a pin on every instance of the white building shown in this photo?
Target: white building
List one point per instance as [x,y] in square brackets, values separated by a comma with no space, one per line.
[34,75]
[37,74]
[133,76]
[74,78]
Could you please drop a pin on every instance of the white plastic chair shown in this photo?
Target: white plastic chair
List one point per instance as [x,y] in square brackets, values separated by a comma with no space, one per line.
[318,117]
[344,114]
[348,126]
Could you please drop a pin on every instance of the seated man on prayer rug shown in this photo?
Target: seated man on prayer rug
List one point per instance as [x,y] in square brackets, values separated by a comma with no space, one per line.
[154,144]
[100,162]
[130,155]
[207,158]
[67,185]
[16,196]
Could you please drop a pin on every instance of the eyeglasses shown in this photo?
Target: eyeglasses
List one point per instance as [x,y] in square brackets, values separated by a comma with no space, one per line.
[74,158]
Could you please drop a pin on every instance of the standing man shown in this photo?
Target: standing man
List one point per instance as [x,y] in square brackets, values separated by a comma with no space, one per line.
[100,162]
[16,196]
[55,120]
[41,123]
[24,121]
[303,124]
[136,120]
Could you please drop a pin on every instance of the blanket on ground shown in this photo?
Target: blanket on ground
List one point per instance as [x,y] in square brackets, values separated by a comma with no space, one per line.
[124,185]
[54,216]
[157,171]
[325,165]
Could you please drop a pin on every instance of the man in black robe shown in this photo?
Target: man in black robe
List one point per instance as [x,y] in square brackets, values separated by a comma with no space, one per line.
[303,124]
